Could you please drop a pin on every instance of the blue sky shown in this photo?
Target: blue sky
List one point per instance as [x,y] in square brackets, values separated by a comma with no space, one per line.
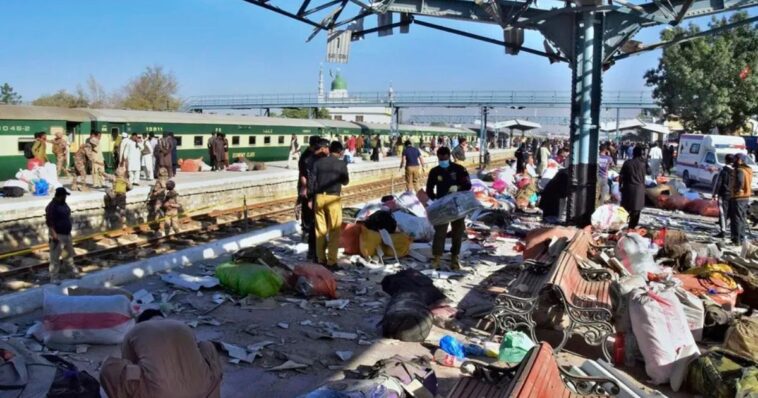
[231,47]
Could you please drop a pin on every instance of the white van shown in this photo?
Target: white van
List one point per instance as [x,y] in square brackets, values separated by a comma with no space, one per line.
[701,157]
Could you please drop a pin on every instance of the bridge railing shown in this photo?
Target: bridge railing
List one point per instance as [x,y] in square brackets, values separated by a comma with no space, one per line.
[414,98]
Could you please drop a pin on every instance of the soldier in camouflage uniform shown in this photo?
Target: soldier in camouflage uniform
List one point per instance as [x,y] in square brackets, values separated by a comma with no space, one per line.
[156,197]
[171,208]
[84,155]
[98,163]
[60,150]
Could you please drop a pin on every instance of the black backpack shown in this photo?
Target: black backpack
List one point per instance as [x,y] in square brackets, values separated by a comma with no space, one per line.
[407,318]
[13,192]
[70,382]
[28,150]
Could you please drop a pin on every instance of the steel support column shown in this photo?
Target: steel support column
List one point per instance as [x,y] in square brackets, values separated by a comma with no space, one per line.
[483,138]
[585,116]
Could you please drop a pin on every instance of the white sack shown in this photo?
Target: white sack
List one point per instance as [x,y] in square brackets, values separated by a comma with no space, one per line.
[409,201]
[417,227]
[85,319]
[452,207]
[661,331]
[693,310]
[636,254]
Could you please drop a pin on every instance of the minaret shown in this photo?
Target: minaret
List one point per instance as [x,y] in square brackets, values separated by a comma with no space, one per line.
[321,82]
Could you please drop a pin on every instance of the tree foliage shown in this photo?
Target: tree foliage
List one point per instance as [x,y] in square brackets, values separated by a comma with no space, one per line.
[153,90]
[8,95]
[304,113]
[96,94]
[63,99]
[709,82]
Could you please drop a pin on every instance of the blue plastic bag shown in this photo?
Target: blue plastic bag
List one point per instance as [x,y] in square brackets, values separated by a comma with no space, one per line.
[452,346]
[41,188]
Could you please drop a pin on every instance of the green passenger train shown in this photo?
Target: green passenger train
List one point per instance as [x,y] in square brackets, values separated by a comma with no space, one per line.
[257,138]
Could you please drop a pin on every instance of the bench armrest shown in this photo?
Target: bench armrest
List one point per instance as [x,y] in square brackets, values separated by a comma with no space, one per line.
[591,385]
[596,274]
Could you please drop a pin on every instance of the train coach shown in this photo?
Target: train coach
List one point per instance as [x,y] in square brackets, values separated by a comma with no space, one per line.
[258,138]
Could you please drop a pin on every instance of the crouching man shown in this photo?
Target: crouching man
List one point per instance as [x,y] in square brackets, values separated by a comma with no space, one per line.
[161,358]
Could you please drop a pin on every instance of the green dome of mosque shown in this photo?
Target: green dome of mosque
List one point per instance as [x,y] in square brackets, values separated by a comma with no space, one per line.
[339,83]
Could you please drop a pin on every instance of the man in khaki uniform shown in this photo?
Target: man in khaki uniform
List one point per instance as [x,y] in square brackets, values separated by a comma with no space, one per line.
[156,197]
[161,358]
[60,150]
[98,162]
[171,208]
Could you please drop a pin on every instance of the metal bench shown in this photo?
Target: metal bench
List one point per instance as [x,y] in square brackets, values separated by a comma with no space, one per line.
[538,376]
[513,309]
[583,292]
[586,302]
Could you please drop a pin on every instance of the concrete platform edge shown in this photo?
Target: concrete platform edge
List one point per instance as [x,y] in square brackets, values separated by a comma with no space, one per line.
[29,300]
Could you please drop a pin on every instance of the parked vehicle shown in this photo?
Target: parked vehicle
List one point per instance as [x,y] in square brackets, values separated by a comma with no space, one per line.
[701,157]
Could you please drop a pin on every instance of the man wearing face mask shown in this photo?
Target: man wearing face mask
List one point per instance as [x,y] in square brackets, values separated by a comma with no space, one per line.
[445,178]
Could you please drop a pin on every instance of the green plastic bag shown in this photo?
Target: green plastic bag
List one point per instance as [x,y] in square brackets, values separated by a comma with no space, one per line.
[245,278]
[514,347]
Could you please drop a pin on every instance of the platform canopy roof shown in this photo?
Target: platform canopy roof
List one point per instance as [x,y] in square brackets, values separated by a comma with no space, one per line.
[517,124]
[630,124]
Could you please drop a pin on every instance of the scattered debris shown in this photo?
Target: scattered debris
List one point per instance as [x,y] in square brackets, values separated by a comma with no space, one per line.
[190,282]
[283,325]
[288,365]
[339,304]
[238,354]
[344,355]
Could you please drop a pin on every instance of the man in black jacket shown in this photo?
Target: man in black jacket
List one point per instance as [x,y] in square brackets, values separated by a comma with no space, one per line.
[632,181]
[305,198]
[446,178]
[722,191]
[329,175]
[58,220]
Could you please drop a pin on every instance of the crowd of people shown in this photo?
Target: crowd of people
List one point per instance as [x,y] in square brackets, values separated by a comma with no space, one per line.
[322,172]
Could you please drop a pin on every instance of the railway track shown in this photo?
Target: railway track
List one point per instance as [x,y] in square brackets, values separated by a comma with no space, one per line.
[110,248]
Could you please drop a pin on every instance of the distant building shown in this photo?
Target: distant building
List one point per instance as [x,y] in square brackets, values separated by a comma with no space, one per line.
[338,90]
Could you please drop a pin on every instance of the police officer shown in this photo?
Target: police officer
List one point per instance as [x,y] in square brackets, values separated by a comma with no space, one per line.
[329,175]
[443,179]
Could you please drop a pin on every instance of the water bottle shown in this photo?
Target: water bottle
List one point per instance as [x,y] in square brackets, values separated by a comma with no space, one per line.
[452,346]
[445,359]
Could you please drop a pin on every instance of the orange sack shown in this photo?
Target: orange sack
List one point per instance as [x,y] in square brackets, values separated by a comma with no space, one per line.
[313,280]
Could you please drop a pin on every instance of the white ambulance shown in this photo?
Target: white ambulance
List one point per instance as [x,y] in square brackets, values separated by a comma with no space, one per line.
[701,157]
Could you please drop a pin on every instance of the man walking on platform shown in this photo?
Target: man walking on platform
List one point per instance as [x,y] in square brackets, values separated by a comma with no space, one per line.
[83,156]
[722,192]
[211,154]
[632,181]
[329,175]
[443,179]
[656,157]
[58,220]
[219,153]
[414,167]
[294,153]
[163,154]
[459,151]
[741,191]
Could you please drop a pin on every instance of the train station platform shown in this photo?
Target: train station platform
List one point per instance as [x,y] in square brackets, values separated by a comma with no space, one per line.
[22,220]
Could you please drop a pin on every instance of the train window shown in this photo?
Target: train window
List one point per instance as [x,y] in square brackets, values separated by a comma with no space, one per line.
[198,140]
[178,141]
[337,117]
[251,140]
[267,139]
[281,139]
[22,142]
[236,140]
[359,118]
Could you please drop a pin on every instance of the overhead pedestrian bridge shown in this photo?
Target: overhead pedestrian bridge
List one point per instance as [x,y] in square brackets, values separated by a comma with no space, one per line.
[418,99]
